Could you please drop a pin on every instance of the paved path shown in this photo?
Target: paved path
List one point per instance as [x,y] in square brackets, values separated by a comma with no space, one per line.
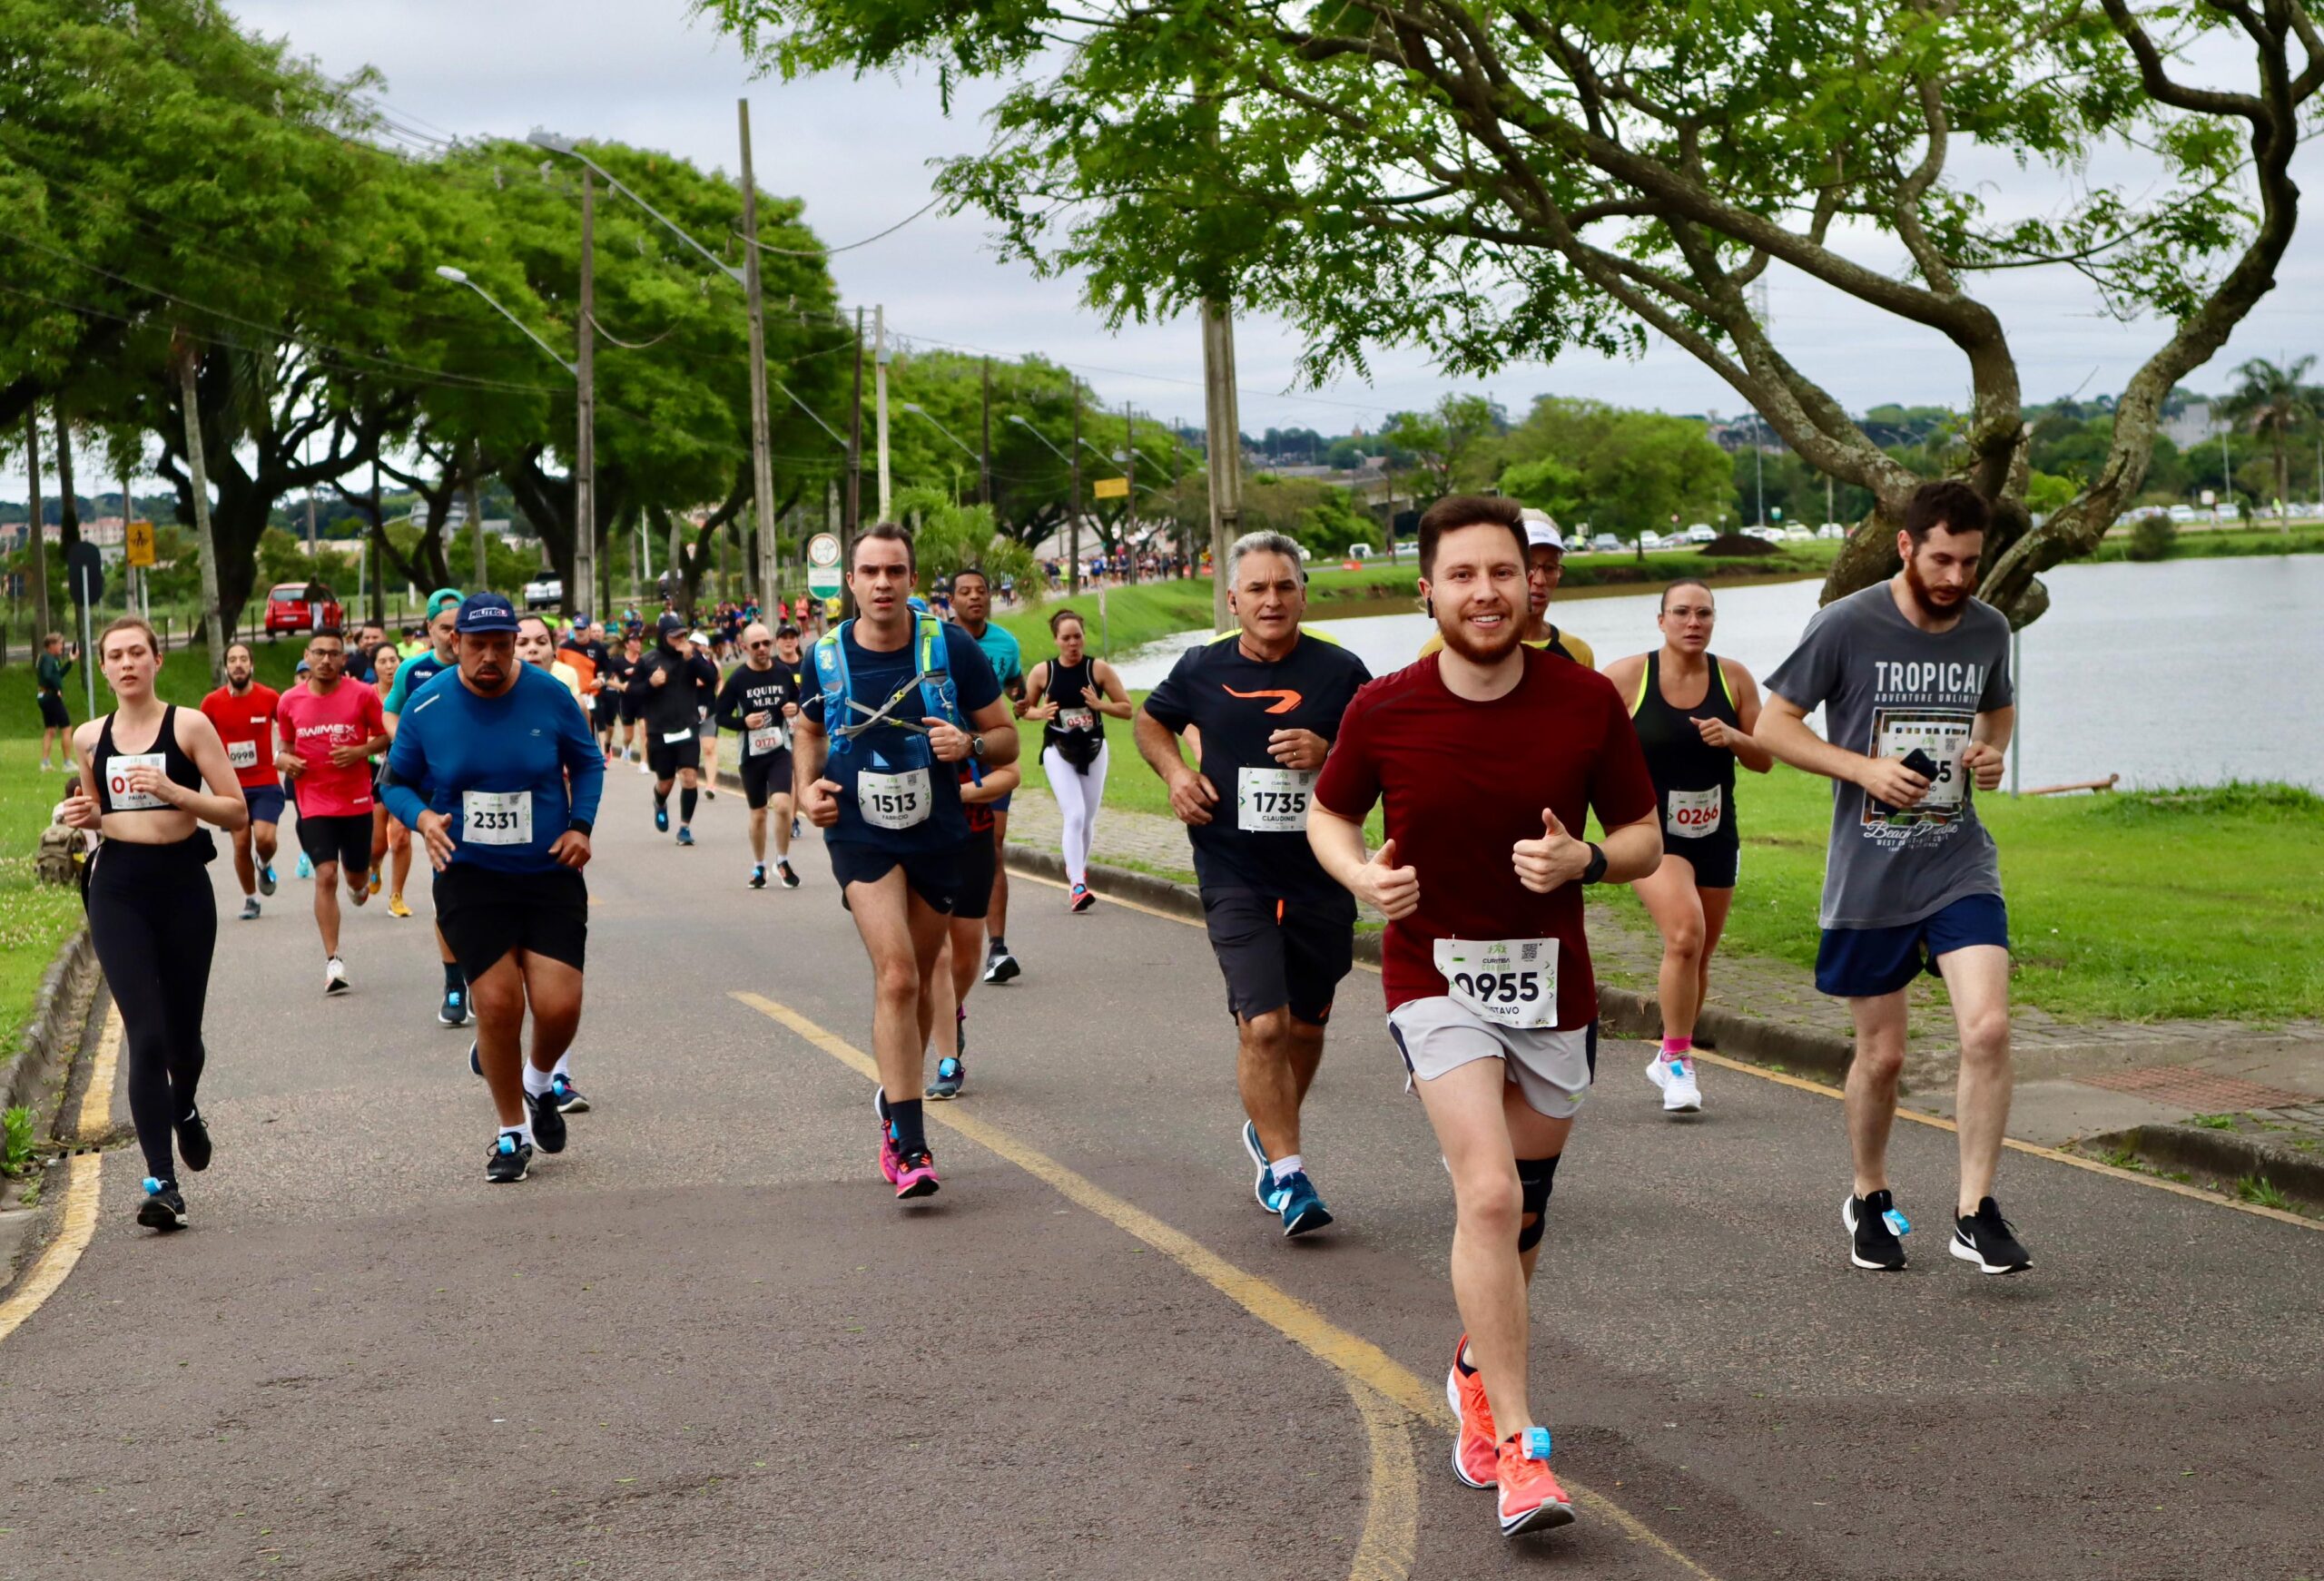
[704,1342]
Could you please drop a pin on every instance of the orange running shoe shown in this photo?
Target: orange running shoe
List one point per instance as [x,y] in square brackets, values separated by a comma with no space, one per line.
[1530,1498]
[1475,1459]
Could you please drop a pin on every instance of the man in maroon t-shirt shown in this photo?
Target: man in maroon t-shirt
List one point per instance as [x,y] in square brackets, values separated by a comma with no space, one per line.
[1489,756]
[330,726]
[243,713]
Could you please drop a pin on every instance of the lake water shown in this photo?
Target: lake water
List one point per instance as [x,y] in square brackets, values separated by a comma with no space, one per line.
[2186,672]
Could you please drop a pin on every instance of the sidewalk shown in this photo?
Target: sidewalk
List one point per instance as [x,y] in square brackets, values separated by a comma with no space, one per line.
[2233,1099]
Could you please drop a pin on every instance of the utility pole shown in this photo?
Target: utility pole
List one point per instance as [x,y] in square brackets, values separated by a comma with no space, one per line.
[143,601]
[1129,470]
[762,464]
[1073,578]
[307,454]
[853,518]
[379,531]
[880,399]
[984,444]
[213,618]
[1226,447]
[475,519]
[39,532]
[585,373]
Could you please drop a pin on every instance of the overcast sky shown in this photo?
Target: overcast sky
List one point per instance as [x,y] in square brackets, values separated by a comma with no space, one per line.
[646,72]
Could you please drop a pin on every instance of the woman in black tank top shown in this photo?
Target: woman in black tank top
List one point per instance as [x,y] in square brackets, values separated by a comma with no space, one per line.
[154,774]
[1694,712]
[1067,694]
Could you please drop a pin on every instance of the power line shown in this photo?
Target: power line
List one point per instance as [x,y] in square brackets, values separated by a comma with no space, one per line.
[851,246]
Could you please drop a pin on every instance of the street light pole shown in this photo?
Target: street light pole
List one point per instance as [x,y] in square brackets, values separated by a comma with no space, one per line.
[585,454]
[761,463]
[1075,583]
[880,399]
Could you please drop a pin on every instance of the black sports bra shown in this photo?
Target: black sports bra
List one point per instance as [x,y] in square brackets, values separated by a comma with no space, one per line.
[113,766]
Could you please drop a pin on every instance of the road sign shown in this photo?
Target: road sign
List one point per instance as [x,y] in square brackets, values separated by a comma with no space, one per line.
[139,538]
[1110,489]
[823,549]
[85,573]
[822,566]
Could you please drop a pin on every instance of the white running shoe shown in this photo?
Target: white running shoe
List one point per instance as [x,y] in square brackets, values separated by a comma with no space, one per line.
[334,976]
[1676,1076]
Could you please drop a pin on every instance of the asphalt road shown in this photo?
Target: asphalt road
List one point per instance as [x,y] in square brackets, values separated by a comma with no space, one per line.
[706,1341]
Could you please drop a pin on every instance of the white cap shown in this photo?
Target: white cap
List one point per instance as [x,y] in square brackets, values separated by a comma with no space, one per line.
[1540,532]
[702,636]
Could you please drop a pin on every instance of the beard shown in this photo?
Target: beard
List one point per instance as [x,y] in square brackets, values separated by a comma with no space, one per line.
[1934,604]
[1458,637]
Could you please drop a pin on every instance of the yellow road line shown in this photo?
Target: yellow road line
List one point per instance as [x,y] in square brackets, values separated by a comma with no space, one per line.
[1802,1083]
[83,1176]
[1391,1538]
[1357,1358]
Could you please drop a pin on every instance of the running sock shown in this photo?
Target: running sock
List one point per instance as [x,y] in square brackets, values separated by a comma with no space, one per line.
[536,1081]
[903,1115]
[1284,1168]
[999,946]
[661,799]
[564,1067]
[522,1133]
[686,799]
[1675,1048]
[453,979]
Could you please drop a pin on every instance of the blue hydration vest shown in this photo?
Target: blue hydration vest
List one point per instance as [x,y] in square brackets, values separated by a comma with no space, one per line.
[845,720]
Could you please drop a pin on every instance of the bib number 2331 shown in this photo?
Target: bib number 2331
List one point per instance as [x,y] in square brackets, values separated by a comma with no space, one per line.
[496,817]
[894,800]
[1510,982]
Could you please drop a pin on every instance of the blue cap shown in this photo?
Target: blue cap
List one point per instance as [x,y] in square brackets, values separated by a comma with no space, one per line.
[486,611]
[918,602]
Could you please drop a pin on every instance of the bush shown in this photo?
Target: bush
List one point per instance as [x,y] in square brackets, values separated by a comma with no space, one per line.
[2153,537]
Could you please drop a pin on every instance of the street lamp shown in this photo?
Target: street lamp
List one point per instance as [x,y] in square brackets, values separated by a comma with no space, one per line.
[1073,465]
[459,277]
[1044,438]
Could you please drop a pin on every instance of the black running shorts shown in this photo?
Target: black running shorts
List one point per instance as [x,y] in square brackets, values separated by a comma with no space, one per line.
[977,859]
[52,711]
[483,915]
[765,774]
[345,841]
[666,758]
[1276,952]
[935,877]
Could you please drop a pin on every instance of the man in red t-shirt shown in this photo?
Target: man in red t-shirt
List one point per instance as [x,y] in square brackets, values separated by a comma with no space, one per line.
[1489,756]
[330,728]
[243,713]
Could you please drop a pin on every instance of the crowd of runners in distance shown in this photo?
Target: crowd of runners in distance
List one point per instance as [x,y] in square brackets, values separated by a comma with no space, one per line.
[896,735]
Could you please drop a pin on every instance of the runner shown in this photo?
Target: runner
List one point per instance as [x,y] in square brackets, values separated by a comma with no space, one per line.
[613,685]
[705,649]
[759,700]
[632,704]
[417,670]
[243,714]
[1067,694]
[671,680]
[513,778]
[960,962]
[1487,755]
[1544,566]
[161,773]
[49,670]
[1694,714]
[330,727]
[1913,676]
[920,694]
[972,604]
[537,646]
[1264,702]
[390,840]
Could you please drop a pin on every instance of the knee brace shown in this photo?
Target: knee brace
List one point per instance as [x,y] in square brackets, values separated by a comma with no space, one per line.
[1534,1178]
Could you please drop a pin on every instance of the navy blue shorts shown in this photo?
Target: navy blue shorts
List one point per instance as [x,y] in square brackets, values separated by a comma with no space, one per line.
[265,802]
[1864,963]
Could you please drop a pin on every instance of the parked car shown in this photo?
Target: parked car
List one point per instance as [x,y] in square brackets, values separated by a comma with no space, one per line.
[1650,539]
[546,591]
[1831,530]
[1797,533]
[2182,513]
[1765,534]
[301,606]
[1700,532]
[1606,544]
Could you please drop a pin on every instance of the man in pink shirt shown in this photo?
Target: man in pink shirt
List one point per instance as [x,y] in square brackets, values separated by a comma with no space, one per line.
[330,728]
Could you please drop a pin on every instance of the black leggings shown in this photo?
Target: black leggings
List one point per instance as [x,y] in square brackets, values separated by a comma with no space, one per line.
[154,923]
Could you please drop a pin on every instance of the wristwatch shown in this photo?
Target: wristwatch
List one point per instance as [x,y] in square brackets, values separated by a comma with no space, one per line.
[976,746]
[1597,868]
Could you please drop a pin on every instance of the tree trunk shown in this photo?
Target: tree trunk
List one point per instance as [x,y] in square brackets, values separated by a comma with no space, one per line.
[68,498]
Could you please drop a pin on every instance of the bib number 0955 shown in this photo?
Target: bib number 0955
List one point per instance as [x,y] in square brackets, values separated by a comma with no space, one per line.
[1510,982]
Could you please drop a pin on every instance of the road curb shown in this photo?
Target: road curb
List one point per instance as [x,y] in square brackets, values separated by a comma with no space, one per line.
[2225,1155]
[1623,1012]
[54,1028]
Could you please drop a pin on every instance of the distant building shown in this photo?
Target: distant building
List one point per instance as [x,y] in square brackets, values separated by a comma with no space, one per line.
[2192,424]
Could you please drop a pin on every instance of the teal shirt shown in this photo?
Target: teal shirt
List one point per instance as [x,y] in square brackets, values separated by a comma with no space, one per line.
[1003,652]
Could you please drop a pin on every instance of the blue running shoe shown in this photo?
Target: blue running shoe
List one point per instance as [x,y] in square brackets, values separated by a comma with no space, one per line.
[949,1074]
[661,820]
[1302,1210]
[454,1011]
[306,867]
[686,835]
[568,1097]
[266,879]
[1258,1156]
[476,1064]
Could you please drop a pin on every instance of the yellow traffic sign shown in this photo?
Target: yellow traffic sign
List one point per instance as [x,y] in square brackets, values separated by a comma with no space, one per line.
[1110,489]
[138,536]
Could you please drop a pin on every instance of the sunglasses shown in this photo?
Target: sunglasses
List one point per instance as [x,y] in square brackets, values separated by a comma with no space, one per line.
[767,645]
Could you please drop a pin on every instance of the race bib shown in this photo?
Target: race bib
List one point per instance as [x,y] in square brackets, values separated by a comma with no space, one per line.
[1272,800]
[118,795]
[1082,719]
[894,800]
[670,737]
[1510,982]
[1943,738]
[496,818]
[1696,813]
[243,754]
[771,738]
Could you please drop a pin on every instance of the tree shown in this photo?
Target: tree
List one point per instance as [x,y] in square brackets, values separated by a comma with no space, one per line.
[2272,401]
[1516,180]
[1444,442]
[953,537]
[1623,471]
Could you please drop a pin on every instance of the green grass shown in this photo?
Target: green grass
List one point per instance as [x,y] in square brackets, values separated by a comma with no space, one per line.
[2262,1191]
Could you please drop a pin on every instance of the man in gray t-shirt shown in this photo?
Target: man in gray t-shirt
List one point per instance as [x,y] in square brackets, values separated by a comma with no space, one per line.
[1913,676]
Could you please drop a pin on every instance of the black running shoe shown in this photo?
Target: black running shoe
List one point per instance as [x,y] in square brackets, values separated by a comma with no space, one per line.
[509,1161]
[193,1141]
[790,878]
[1989,1241]
[163,1209]
[568,1097]
[454,1012]
[758,877]
[1000,966]
[548,1120]
[476,1061]
[1874,1227]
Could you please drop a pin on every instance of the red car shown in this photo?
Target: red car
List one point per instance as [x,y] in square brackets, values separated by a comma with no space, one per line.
[301,606]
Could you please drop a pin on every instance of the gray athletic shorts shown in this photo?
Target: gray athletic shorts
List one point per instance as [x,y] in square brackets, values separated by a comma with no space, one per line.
[1553,1069]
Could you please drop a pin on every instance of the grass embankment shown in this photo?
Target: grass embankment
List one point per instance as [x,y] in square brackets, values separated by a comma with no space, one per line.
[36,919]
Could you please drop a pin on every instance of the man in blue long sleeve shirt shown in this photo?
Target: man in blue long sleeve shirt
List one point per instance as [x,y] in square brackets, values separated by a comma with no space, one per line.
[512,775]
